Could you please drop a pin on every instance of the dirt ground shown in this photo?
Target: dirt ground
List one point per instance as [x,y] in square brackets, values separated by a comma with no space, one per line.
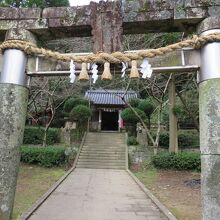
[179,191]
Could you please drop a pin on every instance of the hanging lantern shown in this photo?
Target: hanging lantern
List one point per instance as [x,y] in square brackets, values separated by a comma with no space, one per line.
[106,75]
[134,74]
[84,76]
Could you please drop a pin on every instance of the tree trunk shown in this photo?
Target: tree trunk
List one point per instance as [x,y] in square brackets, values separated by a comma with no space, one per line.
[45,136]
[149,124]
[47,127]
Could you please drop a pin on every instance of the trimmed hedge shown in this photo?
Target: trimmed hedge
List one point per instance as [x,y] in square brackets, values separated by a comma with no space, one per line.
[186,139]
[43,156]
[180,161]
[34,135]
[130,117]
[72,102]
[81,113]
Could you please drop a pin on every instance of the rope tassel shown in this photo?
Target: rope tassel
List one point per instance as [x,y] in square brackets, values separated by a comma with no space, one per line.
[134,70]
[106,75]
[84,76]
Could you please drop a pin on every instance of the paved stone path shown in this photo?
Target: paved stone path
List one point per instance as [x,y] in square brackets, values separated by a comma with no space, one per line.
[98,194]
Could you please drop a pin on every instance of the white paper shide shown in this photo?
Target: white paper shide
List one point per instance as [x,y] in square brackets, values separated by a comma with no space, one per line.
[72,72]
[146,69]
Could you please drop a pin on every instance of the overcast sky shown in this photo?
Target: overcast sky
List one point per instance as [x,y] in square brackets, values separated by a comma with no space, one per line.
[81,2]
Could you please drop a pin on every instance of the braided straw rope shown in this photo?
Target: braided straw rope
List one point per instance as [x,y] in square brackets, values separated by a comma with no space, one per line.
[116,57]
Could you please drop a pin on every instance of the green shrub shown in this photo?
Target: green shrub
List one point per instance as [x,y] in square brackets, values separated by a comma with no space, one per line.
[130,117]
[80,113]
[164,139]
[43,156]
[58,122]
[53,136]
[134,102]
[34,135]
[186,139]
[73,102]
[180,161]
[132,141]
[146,106]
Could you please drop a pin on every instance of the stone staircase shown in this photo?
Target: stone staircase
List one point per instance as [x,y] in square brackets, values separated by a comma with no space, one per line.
[103,151]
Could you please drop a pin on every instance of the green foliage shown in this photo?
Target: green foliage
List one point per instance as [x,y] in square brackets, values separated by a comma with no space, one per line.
[58,122]
[129,116]
[178,111]
[80,113]
[184,119]
[53,136]
[134,102]
[186,139]
[147,106]
[180,161]
[43,156]
[34,135]
[59,118]
[34,3]
[77,134]
[73,102]
[132,141]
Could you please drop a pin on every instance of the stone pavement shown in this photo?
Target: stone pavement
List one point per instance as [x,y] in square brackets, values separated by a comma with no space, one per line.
[98,194]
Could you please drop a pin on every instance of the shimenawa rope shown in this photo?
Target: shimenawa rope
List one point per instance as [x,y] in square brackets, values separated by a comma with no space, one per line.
[116,57]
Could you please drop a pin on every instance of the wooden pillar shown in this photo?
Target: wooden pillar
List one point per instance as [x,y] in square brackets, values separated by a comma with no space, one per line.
[119,120]
[173,136]
[100,120]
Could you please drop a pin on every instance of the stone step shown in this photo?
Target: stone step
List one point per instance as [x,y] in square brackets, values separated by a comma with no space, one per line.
[103,147]
[113,156]
[106,138]
[101,153]
[101,167]
[107,160]
[98,162]
[103,142]
[101,161]
[102,150]
[104,157]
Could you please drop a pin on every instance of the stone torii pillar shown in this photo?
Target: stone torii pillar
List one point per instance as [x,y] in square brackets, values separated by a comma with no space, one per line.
[173,136]
[13,108]
[209,104]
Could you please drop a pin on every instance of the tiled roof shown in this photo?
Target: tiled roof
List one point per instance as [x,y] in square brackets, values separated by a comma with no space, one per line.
[109,97]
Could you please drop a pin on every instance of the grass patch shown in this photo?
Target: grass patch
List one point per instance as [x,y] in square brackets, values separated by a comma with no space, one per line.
[148,177]
[33,182]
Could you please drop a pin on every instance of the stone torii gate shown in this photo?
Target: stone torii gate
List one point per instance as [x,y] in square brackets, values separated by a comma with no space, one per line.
[106,22]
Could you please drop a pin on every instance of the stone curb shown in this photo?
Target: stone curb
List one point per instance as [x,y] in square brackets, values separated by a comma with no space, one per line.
[162,208]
